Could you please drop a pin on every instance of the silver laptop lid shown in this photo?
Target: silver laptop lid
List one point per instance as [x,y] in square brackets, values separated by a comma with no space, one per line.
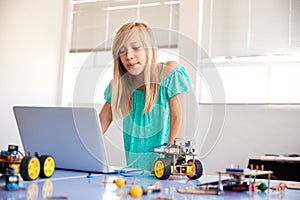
[71,135]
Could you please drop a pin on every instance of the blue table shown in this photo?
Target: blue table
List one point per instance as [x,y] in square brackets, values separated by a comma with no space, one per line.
[76,185]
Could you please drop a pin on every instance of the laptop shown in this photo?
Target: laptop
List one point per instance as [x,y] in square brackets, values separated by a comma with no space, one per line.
[72,135]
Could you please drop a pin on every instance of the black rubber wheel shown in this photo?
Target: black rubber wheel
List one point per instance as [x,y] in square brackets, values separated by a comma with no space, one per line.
[30,168]
[198,169]
[162,168]
[47,166]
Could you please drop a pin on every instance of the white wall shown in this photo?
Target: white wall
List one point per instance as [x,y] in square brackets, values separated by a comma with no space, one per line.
[30,38]
[249,131]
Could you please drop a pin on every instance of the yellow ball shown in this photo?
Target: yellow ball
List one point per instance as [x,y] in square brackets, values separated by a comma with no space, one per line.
[136,191]
[120,182]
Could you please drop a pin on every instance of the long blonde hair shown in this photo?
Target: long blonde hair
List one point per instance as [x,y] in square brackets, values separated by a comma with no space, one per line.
[123,82]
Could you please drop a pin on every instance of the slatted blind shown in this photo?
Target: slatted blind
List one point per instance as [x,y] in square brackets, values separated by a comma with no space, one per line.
[97,22]
[250,27]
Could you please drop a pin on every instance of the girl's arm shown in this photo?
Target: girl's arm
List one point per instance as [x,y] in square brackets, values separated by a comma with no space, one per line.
[176,112]
[105,117]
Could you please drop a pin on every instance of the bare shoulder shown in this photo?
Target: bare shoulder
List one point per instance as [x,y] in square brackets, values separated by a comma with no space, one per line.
[170,66]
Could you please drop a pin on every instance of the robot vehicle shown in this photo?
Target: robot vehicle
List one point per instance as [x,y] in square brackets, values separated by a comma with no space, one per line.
[12,163]
[177,159]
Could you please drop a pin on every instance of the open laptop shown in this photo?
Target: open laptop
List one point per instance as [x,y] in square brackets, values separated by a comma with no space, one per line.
[72,135]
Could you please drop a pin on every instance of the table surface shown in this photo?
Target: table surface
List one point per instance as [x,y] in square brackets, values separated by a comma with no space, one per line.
[76,185]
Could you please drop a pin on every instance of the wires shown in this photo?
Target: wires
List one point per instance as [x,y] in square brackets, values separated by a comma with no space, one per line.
[21,153]
[136,172]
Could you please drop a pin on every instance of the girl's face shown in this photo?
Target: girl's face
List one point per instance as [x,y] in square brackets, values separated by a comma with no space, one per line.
[133,55]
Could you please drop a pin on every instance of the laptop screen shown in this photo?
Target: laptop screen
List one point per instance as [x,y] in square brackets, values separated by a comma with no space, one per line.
[72,135]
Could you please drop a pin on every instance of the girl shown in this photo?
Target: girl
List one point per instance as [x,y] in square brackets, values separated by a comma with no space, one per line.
[144,93]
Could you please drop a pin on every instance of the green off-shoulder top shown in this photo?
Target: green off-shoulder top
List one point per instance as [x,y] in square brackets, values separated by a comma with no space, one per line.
[141,131]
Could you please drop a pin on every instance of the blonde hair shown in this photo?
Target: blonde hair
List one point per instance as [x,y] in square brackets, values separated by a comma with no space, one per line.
[123,83]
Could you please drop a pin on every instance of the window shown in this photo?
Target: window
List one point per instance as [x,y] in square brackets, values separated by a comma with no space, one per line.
[265,79]
[254,45]
[96,22]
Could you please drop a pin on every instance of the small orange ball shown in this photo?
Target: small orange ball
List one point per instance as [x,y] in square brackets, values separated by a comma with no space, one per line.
[136,191]
[282,186]
[120,182]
